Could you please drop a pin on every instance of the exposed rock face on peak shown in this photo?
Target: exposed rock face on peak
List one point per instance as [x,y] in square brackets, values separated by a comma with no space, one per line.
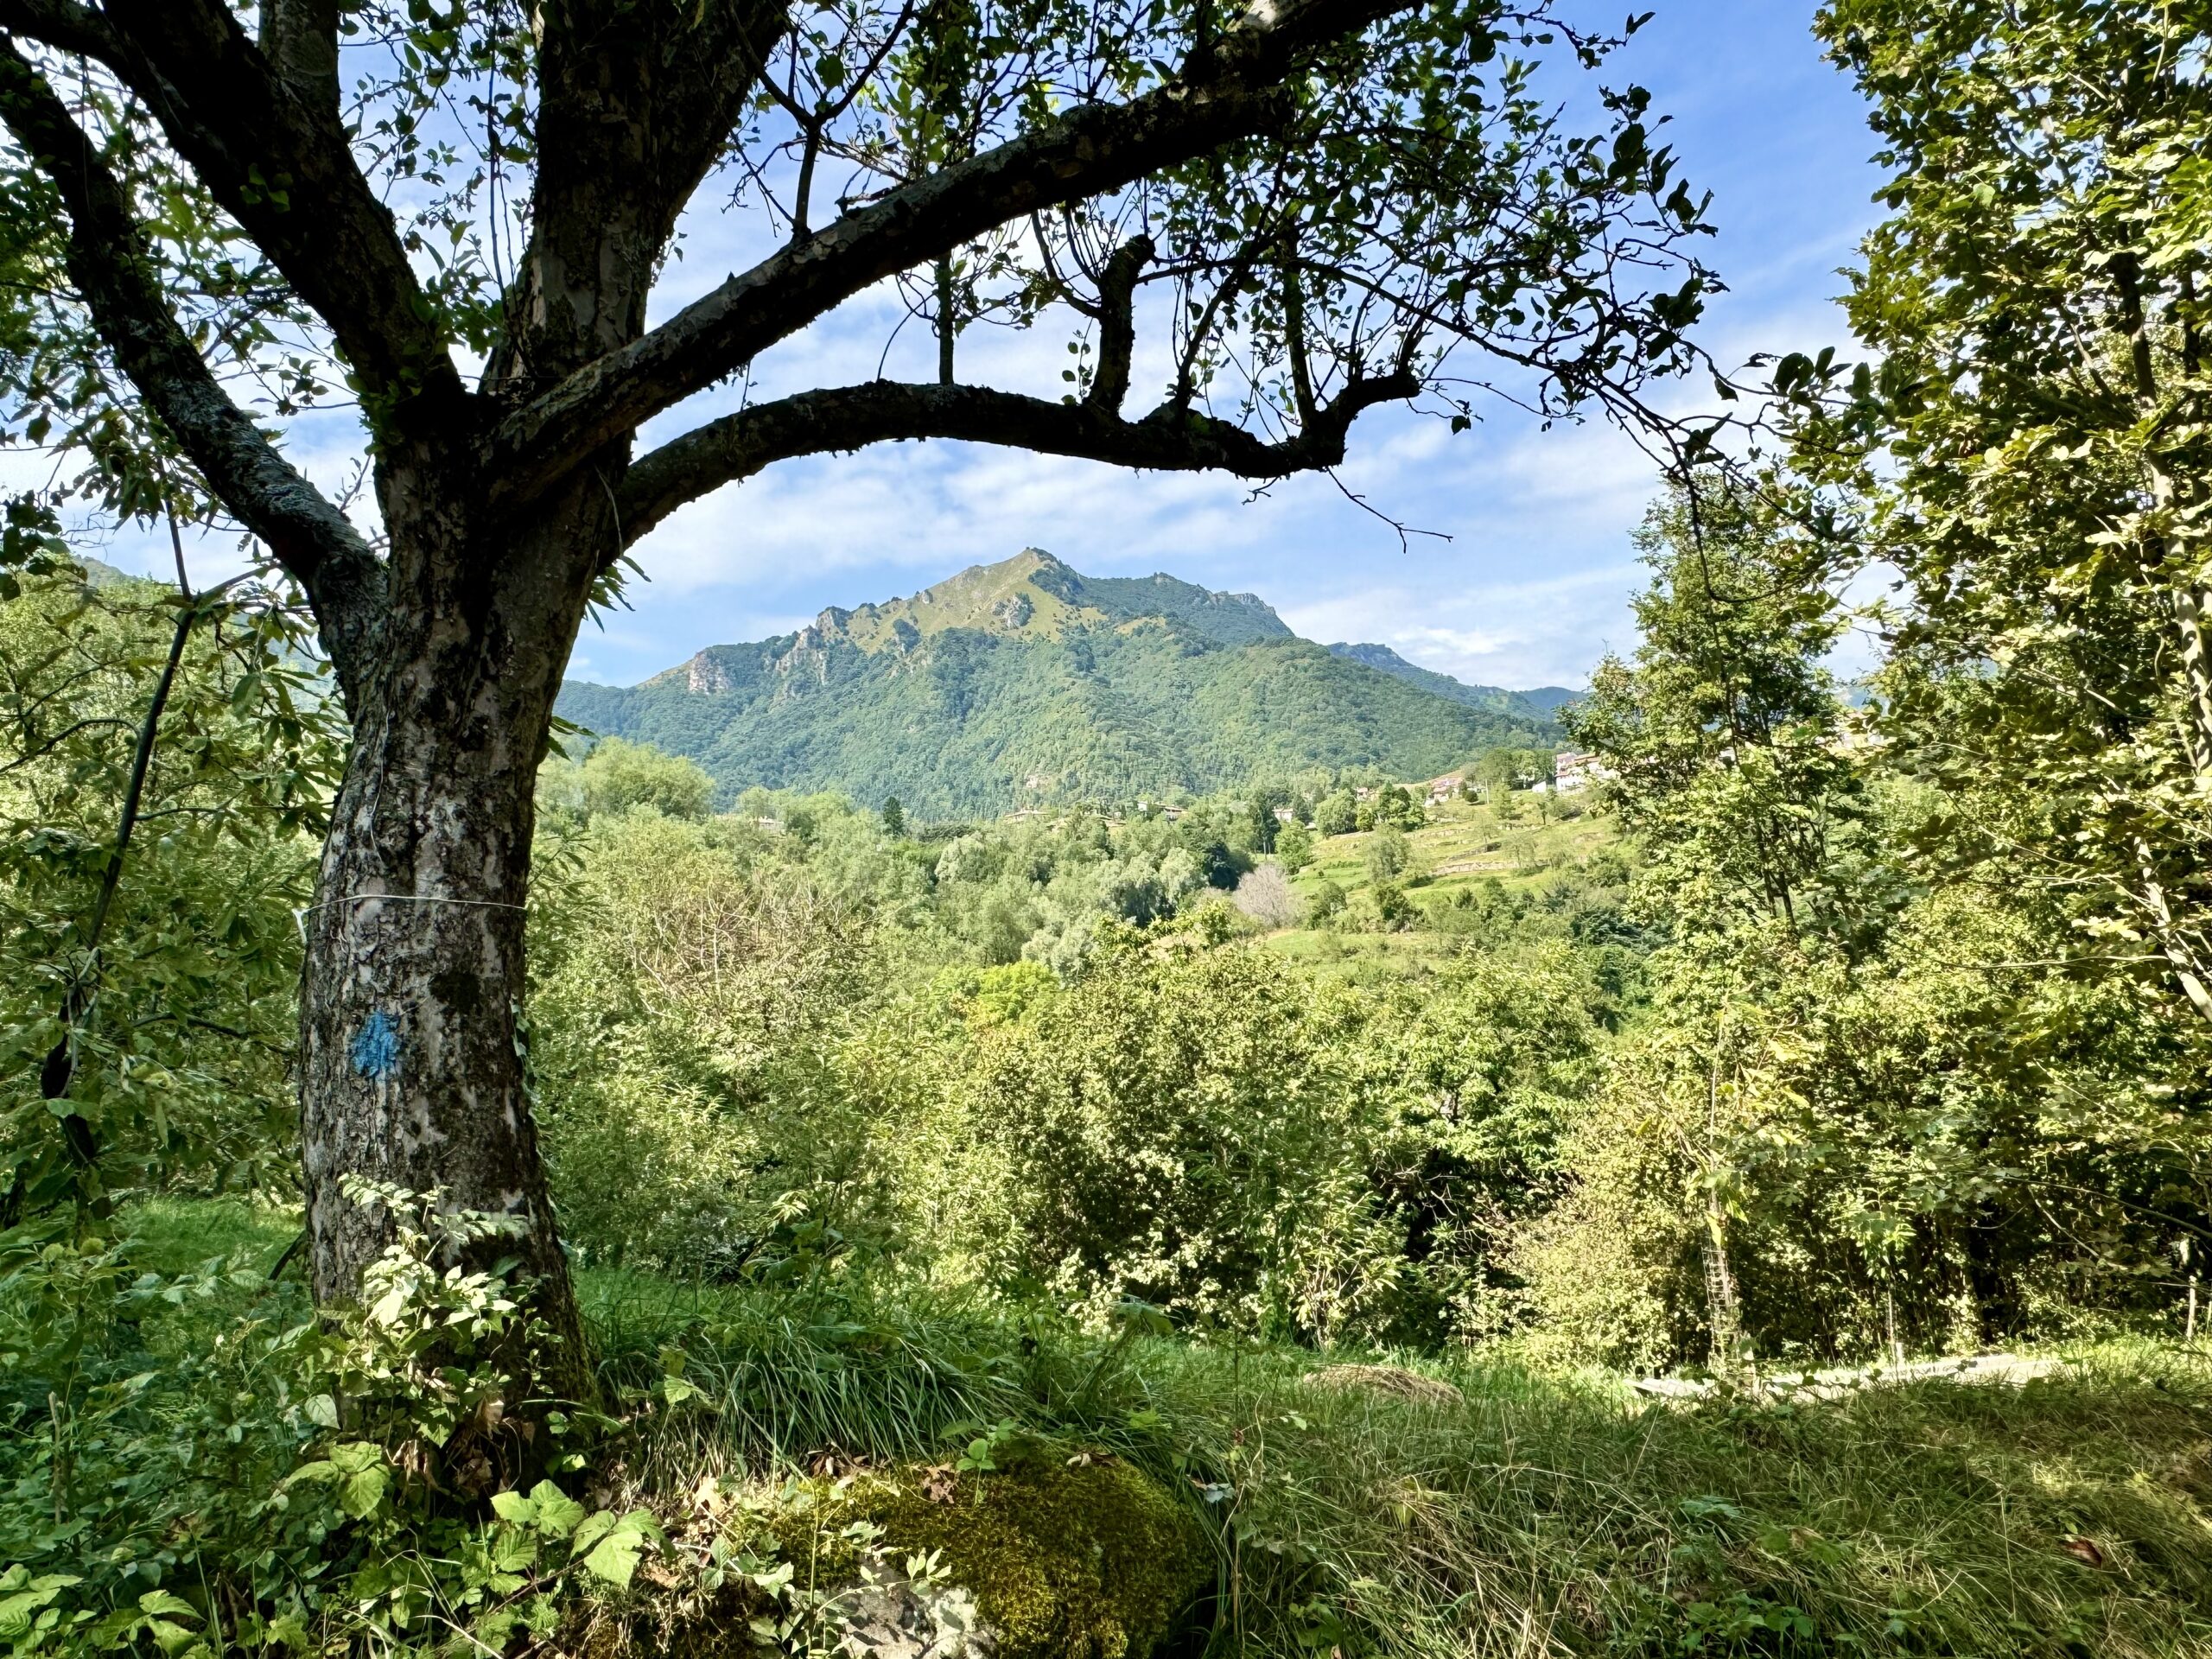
[1033,593]
[1026,678]
[706,677]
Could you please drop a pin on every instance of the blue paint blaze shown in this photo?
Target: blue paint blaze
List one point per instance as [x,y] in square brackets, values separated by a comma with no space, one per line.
[376,1048]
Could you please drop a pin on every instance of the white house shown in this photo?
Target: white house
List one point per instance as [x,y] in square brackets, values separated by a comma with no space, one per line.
[1577,771]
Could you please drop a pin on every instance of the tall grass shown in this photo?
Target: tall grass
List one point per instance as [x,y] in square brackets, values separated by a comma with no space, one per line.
[1540,1514]
[1537,1514]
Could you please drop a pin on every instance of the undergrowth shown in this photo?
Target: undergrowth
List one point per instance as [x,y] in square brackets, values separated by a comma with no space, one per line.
[1538,1513]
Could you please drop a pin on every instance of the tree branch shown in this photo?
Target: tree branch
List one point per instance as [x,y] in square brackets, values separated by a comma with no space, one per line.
[276,158]
[113,272]
[300,40]
[849,417]
[1117,330]
[1230,92]
[635,104]
[64,25]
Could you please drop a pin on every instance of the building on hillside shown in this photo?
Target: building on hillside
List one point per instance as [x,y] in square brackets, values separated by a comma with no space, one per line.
[1577,771]
[1441,790]
[1283,814]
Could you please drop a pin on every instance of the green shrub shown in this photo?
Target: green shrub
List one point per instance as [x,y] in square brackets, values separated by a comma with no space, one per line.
[1215,1133]
[688,999]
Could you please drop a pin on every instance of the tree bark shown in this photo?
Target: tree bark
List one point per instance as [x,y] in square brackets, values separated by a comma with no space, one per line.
[412,1074]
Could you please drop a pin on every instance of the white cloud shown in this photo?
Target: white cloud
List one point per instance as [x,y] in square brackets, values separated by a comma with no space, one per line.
[1514,634]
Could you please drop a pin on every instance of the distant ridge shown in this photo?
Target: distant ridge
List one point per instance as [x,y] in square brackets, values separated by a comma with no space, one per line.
[1551,698]
[1529,705]
[1026,681]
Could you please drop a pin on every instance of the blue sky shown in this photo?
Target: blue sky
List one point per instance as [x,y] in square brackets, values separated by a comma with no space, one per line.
[1532,585]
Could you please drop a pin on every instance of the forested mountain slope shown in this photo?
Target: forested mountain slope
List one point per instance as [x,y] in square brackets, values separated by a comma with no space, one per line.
[1024,680]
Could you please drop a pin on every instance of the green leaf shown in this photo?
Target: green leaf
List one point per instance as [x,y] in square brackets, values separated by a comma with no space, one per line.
[595,1528]
[161,1603]
[514,1507]
[556,1513]
[359,1470]
[613,1556]
[16,1610]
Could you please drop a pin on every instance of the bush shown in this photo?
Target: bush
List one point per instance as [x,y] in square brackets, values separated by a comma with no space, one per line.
[1216,1134]
[690,999]
[1388,854]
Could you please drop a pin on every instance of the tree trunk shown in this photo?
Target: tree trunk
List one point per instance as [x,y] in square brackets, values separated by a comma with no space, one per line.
[411,1071]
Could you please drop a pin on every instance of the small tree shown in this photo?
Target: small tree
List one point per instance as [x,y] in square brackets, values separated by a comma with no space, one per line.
[1260,819]
[1264,894]
[1338,814]
[1387,854]
[1722,731]
[894,817]
[1326,904]
[1394,804]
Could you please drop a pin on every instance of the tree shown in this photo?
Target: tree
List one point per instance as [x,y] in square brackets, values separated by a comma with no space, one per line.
[1264,894]
[1328,902]
[894,817]
[1260,821]
[617,776]
[1388,852]
[1394,804]
[168,759]
[1499,772]
[1327,198]
[1722,733]
[1293,846]
[2033,449]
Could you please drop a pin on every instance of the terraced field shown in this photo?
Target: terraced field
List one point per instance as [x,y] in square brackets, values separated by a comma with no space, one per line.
[1464,846]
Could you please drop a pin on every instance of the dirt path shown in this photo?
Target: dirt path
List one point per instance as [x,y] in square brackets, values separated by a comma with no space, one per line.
[1835,1384]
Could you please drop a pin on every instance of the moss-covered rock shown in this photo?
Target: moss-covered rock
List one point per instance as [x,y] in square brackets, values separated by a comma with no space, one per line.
[1085,1560]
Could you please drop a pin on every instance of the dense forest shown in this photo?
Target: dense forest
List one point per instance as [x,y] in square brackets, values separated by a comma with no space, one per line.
[1734,1181]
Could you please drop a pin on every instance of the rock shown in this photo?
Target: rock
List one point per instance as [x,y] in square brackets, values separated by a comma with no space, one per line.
[896,1618]
[1047,1559]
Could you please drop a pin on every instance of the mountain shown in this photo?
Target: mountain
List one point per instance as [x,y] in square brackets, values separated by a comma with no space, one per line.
[1550,699]
[1025,680]
[1534,706]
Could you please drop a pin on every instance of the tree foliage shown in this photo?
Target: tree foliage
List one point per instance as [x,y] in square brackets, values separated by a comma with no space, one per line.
[149,941]
[2031,449]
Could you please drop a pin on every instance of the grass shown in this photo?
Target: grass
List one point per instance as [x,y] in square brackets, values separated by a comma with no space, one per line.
[1540,1514]
[1466,846]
